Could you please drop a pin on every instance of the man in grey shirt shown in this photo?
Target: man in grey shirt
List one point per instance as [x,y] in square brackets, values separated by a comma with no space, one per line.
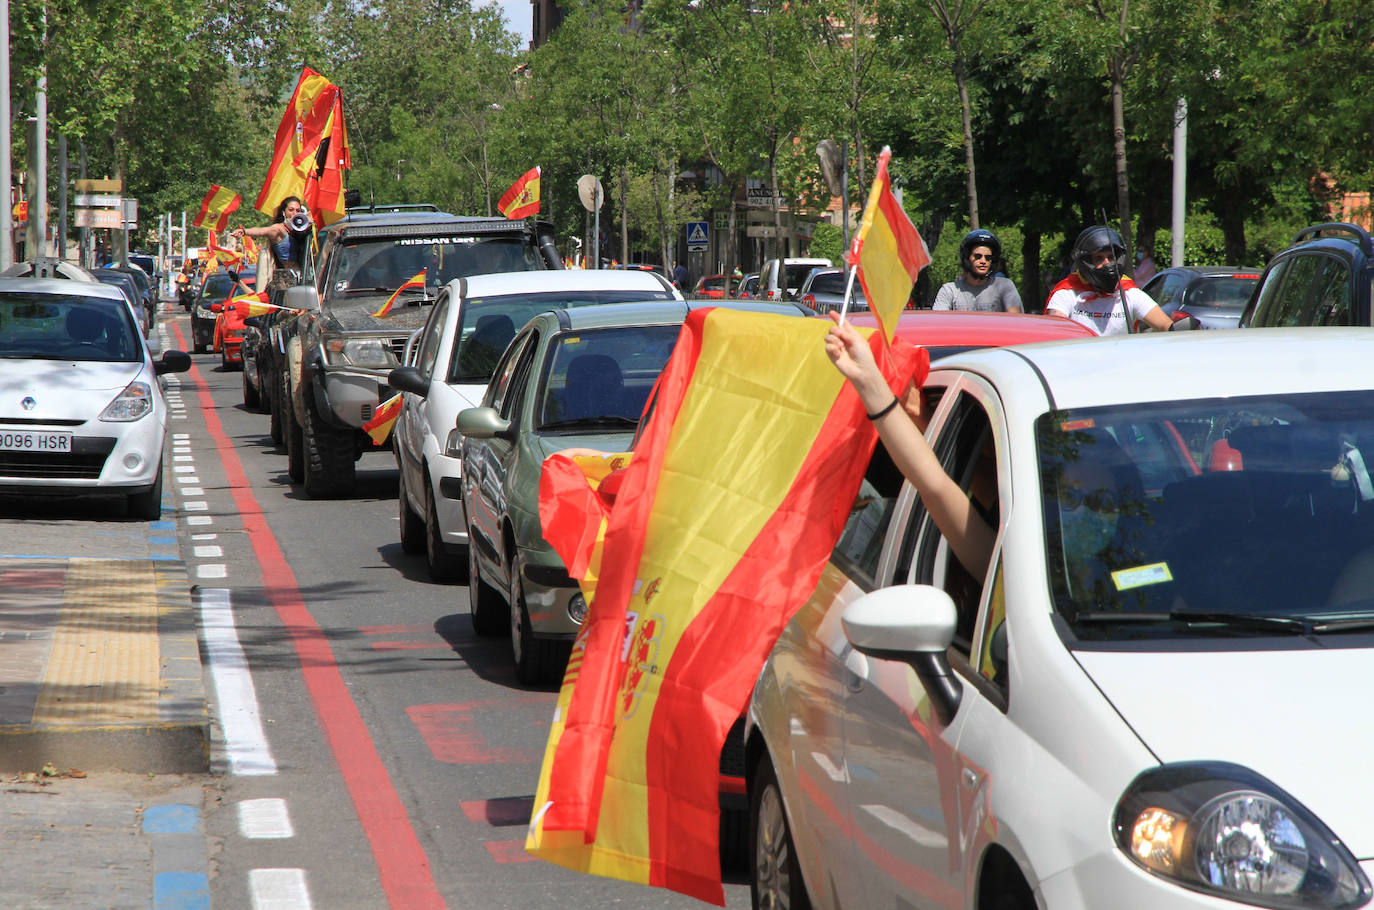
[979,287]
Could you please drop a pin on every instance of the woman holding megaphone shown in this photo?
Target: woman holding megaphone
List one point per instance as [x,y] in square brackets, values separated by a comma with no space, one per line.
[286,237]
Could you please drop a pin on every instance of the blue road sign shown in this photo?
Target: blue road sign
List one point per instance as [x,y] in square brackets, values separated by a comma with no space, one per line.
[698,234]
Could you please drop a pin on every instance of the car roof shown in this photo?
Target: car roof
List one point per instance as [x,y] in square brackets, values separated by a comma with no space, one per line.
[533,282]
[1205,271]
[63,286]
[1166,366]
[962,328]
[657,312]
[411,221]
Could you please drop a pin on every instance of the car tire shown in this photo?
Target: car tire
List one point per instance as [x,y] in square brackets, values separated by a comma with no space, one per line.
[197,346]
[147,506]
[329,465]
[484,602]
[775,878]
[291,436]
[412,525]
[251,399]
[274,399]
[536,659]
[445,561]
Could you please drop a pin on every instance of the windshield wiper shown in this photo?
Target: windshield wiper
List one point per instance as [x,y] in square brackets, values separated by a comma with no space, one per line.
[1246,622]
[608,421]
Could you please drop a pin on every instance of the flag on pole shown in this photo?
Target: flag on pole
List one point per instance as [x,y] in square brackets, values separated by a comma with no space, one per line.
[522,199]
[312,124]
[887,251]
[254,305]
[384,418]
[712,542]
[216,208]
[416,281]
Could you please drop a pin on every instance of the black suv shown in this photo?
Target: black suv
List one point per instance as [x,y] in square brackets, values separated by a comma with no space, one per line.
[1324,278]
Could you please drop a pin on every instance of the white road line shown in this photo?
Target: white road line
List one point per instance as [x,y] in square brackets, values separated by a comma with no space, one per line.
[207,552]
[191,479]
[204,536]
[212,570]
[184,469]
[245,744]
[264,818]
[199,520]
[200,491]
[278,889]
[199,505]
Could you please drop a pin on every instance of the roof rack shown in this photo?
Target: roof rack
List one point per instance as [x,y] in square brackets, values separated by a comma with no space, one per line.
[394,207]
[1359,234]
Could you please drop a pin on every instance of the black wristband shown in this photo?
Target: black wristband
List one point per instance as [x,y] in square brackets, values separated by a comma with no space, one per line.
[892,404]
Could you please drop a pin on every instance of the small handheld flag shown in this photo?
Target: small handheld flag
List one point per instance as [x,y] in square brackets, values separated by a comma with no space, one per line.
[418,281]
[216,208]
[384,418]
[888,252]
[522,199]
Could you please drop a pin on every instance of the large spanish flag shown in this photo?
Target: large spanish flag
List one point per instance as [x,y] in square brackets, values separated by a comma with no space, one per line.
[522,199]
[715,537]
[314,114]
[219,203]
[887,251]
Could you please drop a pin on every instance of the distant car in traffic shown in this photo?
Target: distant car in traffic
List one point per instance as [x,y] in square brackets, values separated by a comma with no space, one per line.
[1042,729]
[85,414]
[218,287]
[823,291]
[448,365]
[780,279]
[710,287]
[125,282]
[1215,295]
[748,287]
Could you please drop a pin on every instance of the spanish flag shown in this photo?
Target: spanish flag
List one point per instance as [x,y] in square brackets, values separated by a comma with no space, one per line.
[216,208]
[416,281]
[887,250]
[255,305]
[314,114]
[711,543]
[522,199]
[384,418]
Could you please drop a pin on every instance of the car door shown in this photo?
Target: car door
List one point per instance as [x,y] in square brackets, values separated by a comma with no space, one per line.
[484,459]
[907,776]
[415,427]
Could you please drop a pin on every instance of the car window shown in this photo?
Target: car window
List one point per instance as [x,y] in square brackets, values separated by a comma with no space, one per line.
[520,379]
[1267,302]
[432,336]
[602,377]
[1168,288]
[966,449]
[1312,291]
[1331,293]
[368,268]
[796,276]
[501,378]
[992,642]
[861,542]
[1222,291]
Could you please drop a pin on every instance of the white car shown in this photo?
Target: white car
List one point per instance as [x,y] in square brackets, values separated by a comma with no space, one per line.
[449,363]
[1151,694]
[82,410]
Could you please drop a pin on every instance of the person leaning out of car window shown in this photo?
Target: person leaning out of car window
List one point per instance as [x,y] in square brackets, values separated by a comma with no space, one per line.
[979,287]
[287,246]
[1094,292]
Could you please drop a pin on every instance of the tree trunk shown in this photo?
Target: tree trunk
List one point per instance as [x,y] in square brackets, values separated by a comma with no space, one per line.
[1123,187]
[1233,230]
[1032,293]
[965,110]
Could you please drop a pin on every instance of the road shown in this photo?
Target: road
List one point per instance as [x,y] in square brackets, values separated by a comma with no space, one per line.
[373,751]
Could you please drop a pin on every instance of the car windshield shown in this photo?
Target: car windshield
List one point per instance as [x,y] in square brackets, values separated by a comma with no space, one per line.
[487,324]
[797,274]
[713,284]
[599,379]
[58,327]
[1211,517]
[219,285]
[1227,291]
[378,267]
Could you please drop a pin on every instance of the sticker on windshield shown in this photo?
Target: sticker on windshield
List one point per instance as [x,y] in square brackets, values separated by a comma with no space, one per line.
[1068,426]
[1156,573]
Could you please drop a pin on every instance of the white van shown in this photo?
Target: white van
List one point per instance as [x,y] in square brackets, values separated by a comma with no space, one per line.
[780,279]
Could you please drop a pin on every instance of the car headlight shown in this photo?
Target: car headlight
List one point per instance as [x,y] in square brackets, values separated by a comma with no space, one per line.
[135,401]
[453,444]
[1224,830]
[360,352]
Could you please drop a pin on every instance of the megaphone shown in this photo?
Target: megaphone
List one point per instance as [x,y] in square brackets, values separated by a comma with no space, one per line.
[299,223]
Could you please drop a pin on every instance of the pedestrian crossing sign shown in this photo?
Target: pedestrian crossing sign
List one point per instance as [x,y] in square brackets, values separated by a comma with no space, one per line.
[697,235]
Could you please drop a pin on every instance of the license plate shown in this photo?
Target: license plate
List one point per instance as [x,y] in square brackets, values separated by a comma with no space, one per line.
[35,441]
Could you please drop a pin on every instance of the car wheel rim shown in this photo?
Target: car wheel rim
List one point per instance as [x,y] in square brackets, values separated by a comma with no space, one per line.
[771,853]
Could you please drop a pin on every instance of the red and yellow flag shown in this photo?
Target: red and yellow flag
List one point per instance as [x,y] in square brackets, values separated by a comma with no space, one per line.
[384,418]
[254,305]
[312,124]
[216,208]
[522,199]
[887,251]
[711,544]
[415,281]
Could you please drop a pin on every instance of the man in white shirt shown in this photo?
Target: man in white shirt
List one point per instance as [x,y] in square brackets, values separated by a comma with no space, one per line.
[979,287]
[1098,291]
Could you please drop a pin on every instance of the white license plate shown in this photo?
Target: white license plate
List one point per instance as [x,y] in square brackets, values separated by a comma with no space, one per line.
[35,441]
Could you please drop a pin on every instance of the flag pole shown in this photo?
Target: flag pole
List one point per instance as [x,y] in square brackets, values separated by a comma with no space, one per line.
[848,292]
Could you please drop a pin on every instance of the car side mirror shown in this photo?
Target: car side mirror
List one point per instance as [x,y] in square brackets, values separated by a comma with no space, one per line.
[483,423]
[914,624]
[301,297]
[216,307]
[172,362]
[408,379]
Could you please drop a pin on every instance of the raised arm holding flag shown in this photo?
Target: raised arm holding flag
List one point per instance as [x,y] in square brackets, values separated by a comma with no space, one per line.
[887,252]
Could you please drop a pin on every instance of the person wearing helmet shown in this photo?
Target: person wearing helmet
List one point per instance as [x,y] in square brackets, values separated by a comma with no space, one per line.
[1095,290]
[979,287]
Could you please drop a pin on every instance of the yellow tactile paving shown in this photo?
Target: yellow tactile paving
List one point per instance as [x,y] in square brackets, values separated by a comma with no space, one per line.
[103,667]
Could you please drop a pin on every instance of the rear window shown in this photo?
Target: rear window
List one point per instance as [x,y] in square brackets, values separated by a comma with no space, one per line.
[797,275]
[1228,291]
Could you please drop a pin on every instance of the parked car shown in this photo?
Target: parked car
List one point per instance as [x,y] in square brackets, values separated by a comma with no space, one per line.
[217,287]
[229,332]
[1324,278]
[780,279]
[709,287]
[84,413]
[145,288]
[823,291]
[1046,730]
[748,287]
[449,363]
[330,361]
[125,282]
[571,378]
[1214,294]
